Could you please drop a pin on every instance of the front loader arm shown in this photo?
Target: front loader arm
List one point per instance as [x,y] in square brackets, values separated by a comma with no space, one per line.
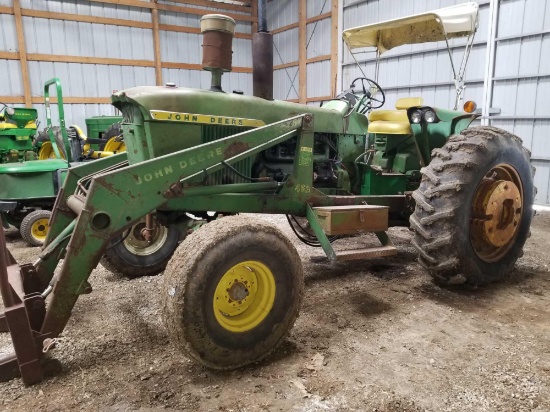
[107,203]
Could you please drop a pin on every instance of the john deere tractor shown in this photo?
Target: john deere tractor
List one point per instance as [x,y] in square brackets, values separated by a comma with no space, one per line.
[233,288]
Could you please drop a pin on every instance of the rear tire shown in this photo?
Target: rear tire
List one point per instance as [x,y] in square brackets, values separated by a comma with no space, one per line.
[232,292]
[133,257]
[474,207]
[34,227]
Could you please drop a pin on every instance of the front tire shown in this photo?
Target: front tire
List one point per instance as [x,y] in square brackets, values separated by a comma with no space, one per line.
[132,256]
[474,207]
[34,227]
[232,292]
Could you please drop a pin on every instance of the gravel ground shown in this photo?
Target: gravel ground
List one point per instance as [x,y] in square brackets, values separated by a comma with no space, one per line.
[372,336]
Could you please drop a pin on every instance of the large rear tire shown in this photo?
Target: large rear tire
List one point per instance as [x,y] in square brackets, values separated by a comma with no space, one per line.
[232,292]
[474,207]
[132,256]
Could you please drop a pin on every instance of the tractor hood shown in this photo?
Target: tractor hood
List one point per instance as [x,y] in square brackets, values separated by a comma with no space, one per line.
[328,119]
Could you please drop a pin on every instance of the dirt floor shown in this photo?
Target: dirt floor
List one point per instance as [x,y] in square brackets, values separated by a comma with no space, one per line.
[372,336]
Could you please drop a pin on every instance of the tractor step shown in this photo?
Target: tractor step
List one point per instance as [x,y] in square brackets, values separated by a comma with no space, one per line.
[369,253]
[346,220]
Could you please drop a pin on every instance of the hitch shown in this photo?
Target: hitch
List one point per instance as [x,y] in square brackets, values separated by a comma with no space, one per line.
[24,311]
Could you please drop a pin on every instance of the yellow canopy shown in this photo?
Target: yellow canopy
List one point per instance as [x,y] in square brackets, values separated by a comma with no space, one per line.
[450,22]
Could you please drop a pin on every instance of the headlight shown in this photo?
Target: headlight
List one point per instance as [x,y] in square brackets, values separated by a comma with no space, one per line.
[416,117]
[429,116]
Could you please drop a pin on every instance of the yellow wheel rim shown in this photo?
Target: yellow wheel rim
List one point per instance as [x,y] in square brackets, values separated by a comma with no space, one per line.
[39,229]
[496,213]
[46,152]
[244,296]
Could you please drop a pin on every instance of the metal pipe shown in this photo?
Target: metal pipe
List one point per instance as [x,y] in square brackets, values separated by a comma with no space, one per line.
[262,16]
[5,287]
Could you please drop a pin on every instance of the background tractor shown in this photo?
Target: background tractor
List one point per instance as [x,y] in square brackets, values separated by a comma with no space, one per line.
[233,288]
[18,128]
[34,164]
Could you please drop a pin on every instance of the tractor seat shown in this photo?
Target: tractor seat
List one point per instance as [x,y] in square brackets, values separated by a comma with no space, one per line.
[393,121]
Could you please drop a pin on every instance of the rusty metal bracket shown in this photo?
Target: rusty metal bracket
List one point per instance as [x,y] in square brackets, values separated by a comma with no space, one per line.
[23,317]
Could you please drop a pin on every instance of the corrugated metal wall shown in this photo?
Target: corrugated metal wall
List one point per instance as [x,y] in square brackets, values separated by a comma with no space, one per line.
[286,47]
[519,83]
[57,37]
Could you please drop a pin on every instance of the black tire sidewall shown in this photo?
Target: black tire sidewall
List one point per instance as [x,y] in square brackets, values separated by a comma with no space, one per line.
[132,266]
[477,270]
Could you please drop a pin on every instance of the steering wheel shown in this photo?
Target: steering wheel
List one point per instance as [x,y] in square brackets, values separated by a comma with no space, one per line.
[366,102]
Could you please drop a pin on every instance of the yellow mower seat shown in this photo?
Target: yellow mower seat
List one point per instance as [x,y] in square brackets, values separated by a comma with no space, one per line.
[393,121]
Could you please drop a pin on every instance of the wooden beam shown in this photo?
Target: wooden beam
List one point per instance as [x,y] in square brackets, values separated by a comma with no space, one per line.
[319,17]
[114,22]
[177,9]
[156,46]
[202,12]
[334,47]
[196,30]
[191,66]
[219,5]
[85,19]
[120,62]
[254,5]
[310,60]
[318,99]
[308,21]
[88,60]
[22,52]
[285,28]
[9,55]
[6,10]
[302,52]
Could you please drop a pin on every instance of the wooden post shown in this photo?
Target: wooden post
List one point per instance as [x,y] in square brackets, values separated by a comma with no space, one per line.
[22,53]
[334,47]
[302,55]
[156,46]
[254,13]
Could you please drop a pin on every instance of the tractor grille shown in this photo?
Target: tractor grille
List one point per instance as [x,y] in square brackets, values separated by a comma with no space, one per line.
[225,176]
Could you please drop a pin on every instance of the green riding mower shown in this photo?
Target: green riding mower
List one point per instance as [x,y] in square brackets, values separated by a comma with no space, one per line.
[233,288]
[18,129]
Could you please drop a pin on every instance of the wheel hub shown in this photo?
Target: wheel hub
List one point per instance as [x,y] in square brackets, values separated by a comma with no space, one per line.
[496,212]
[40,229]
[137,244]
[244,296]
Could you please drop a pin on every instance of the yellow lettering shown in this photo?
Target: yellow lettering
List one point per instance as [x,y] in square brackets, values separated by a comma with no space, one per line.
[200,158]
[168,170]
[219,151]
[183,164]
[148,177]
[158,173]
[139,181]
[210,155]
[192,161]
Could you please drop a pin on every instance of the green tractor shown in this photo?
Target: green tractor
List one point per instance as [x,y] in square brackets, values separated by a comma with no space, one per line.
[233,288]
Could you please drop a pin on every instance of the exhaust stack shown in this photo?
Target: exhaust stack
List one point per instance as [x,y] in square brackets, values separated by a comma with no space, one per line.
[262,56]
[217,53]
